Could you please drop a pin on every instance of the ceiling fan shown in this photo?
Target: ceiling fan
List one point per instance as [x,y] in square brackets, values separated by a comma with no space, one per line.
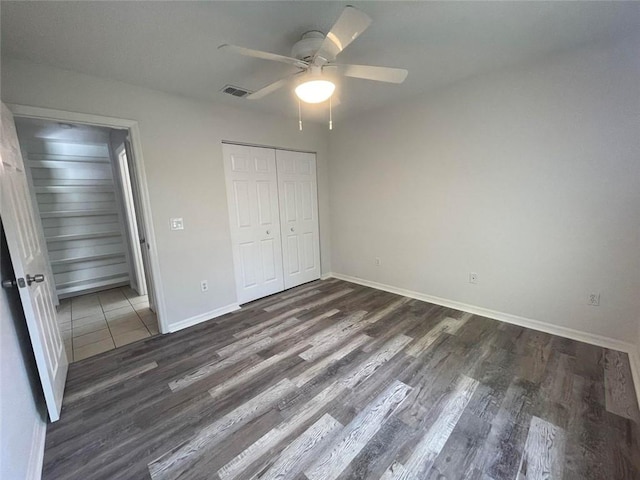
[314,55]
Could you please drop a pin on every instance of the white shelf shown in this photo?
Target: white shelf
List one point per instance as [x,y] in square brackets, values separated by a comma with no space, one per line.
[82,236]
[88,258]
[75,189]
[78,213]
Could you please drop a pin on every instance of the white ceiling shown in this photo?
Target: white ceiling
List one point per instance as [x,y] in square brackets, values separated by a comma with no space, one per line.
[172,46]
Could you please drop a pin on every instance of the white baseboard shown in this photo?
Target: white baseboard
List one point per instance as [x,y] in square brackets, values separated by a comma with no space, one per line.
[189,322]
[593,339]
[36,453]
[324,276]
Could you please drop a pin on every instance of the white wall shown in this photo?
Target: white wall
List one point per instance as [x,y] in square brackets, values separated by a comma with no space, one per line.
[529,177]
[181,142]
[22,419]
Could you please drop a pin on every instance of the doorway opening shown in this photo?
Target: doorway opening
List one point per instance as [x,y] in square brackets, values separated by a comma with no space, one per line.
[88,212]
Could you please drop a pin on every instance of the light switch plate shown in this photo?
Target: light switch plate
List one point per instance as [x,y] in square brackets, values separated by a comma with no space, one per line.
[176,224]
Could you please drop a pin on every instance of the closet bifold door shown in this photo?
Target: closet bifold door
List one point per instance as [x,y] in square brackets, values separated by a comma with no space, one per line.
[297,190]
[252,193]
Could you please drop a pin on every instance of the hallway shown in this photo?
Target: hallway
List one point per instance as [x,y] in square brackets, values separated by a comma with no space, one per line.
[97,322]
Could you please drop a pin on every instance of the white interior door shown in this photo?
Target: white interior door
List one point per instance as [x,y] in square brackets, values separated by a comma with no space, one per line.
[297,189]
[137,277]
[27,256]
[252,193]
[139,216]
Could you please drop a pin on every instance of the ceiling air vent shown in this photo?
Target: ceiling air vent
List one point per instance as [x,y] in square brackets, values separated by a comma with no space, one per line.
[235,91]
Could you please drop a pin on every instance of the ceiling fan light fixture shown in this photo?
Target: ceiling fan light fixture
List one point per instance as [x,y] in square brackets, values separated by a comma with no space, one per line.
[315,91]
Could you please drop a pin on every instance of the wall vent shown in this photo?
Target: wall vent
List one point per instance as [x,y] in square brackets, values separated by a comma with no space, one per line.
[235,91]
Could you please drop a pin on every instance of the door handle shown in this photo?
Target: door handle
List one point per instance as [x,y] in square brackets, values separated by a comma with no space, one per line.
[38,278]
[292,229]
[9,283]
[268,232]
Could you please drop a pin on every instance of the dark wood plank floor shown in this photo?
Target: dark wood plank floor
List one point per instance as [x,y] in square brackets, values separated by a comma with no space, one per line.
[332,380]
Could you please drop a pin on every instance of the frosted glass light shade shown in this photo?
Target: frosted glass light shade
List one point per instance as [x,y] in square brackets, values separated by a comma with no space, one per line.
[315,91]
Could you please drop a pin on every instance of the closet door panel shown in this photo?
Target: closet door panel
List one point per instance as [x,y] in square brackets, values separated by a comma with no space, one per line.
[270,252]
[252,192]
[242,203]
[297,189]
[292,255]
[248,264]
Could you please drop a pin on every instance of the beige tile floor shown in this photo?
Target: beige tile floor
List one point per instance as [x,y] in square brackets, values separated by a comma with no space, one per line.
[97,322]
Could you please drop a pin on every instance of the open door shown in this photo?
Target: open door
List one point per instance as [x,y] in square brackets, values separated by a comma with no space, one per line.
[29,264]
[139,215]
[121,168]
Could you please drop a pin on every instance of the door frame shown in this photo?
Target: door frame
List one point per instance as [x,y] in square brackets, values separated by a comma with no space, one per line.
[141,178]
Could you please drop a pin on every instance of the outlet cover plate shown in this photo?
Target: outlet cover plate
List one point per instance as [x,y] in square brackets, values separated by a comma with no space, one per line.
[176,224]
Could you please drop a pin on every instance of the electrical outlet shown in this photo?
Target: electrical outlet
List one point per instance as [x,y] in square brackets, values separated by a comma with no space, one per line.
[176,224]
[204,285]
[594,299]
[473,278]
[377,261]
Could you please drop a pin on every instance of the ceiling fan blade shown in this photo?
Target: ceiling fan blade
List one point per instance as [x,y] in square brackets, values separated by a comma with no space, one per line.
[249,52]
[351,23]
[272,87]
[369,72]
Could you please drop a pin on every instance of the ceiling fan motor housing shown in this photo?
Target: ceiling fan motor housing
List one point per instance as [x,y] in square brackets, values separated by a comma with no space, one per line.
[306,48]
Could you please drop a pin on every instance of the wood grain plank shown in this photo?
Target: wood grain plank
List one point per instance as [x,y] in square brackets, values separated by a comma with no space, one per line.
[253,453]
[108,382]
[620,395]
[279,333]
[249,331]
[233,347]
[447,325]
[327,299]
[322,284]
[543,452]
[326,340]
[395,470]
[251,372]
[289,301]
[322,365]
[177,460]
[500,457]
[299,453]
[456,459]
[356,435]
[307,411]
[218,365]
[428,448]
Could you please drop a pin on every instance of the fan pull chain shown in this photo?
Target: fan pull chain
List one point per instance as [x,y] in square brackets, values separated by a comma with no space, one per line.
[299,115]
[330,117]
